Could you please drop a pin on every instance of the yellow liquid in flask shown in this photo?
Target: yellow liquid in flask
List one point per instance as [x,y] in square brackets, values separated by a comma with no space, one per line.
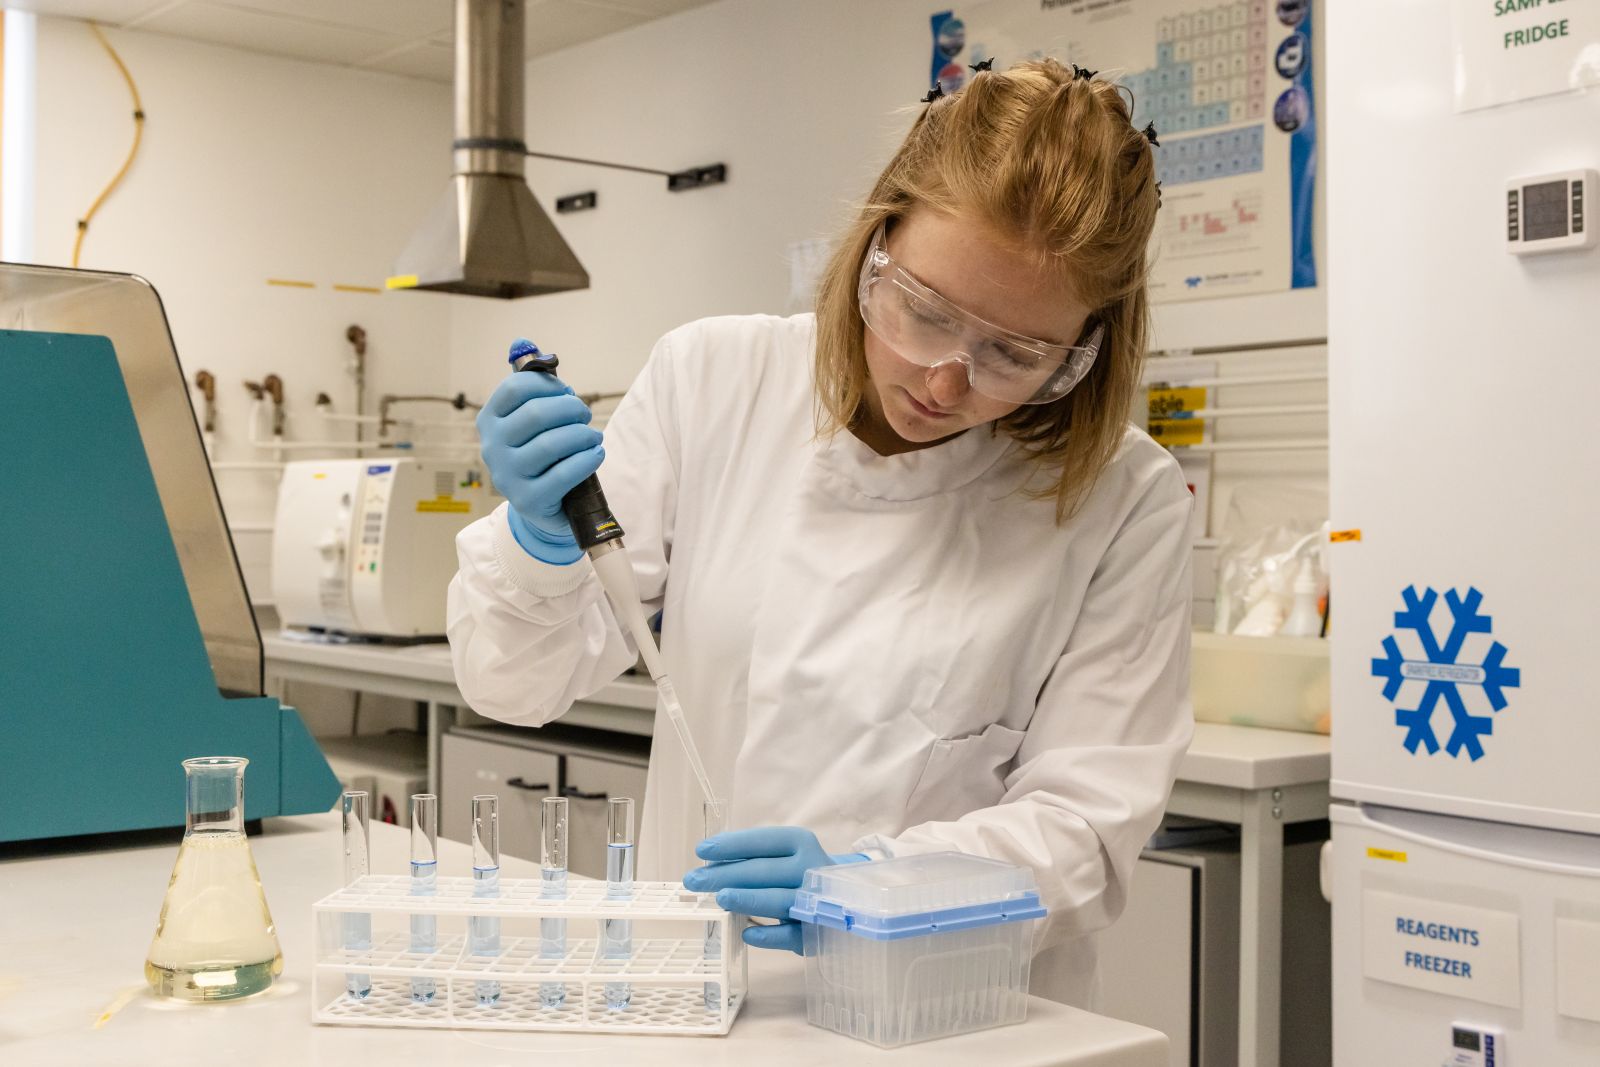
[215,939]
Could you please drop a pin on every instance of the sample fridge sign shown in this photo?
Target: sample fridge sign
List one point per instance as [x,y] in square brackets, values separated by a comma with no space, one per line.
[1228,86]
[1515,49]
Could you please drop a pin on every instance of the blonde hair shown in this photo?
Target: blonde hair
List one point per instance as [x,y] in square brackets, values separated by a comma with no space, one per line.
[1052,161]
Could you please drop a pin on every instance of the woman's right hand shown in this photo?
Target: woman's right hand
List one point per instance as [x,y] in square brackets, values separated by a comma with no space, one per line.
[538,445]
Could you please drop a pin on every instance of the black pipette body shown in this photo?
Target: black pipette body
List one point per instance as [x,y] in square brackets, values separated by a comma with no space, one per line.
[585,504]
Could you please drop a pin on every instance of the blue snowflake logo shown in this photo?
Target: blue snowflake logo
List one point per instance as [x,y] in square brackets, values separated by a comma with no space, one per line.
[1445,672]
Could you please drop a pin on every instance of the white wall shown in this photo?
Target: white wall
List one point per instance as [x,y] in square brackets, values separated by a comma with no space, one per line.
[805,103]
[256,167]
[252,167]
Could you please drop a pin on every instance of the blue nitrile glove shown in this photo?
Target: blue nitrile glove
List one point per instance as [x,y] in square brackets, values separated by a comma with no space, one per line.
[537,443]
[755,872]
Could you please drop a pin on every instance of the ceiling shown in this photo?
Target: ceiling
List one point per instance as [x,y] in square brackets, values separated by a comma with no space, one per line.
[409,37]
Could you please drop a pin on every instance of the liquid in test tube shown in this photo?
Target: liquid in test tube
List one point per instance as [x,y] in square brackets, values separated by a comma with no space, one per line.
[424,883]
[553,872]
[357,863]
[484,933]
[715,816]
[616,936]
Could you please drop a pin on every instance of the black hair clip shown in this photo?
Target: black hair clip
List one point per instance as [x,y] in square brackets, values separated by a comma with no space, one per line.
[1150,135]
[1082,73]
[933,94]
[987,64]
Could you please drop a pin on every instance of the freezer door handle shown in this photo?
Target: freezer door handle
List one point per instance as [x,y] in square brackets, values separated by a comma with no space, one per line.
[1325,871]
[1530,848]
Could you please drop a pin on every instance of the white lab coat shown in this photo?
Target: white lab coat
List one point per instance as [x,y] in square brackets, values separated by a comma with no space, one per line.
[903,654]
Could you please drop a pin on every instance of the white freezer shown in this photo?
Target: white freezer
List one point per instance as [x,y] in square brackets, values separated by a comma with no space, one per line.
[1453,369]
[1439,921]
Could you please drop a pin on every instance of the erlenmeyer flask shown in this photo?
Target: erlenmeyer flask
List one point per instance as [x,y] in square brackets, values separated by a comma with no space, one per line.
[215,940]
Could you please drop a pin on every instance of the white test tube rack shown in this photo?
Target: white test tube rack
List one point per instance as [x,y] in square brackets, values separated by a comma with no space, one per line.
[667,972]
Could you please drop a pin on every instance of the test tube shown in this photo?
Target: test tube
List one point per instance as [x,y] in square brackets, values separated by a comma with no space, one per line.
[617,934]
[424,883]
[357,864]
[553,873]
[715,820]
[485,929]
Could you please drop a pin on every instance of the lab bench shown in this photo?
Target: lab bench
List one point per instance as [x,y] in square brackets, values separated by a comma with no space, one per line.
[423,673]
[523,767]
[77,927]
[1260,780]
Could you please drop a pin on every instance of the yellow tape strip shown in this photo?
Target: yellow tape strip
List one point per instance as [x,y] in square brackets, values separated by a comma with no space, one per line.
[356,289]
[401,281]
[1386,854]
[1344,535]
[291,283]
[118,1002]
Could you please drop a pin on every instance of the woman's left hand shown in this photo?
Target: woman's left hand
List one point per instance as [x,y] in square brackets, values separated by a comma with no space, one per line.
[755,872]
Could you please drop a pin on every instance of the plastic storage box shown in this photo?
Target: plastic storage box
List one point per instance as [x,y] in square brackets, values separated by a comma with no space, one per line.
[919,947]
[1277,682]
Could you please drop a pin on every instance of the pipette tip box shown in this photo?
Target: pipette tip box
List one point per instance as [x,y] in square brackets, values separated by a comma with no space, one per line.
[669,975]
[917,947]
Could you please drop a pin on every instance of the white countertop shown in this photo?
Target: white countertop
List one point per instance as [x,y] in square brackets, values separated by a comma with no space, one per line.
[76,928]
[1251,757]
[427,662]
[1240,757]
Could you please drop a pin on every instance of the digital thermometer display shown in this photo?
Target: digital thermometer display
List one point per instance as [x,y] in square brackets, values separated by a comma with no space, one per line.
[1547,213]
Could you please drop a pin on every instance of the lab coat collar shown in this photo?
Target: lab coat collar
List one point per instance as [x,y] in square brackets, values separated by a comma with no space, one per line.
[916,475]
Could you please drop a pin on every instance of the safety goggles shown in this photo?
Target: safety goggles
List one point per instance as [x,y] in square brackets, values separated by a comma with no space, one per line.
[924,328]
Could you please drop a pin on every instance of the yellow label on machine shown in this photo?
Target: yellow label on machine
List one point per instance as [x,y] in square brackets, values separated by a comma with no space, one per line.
[401,281]
[445,504]
[1386,854]
[1344,535]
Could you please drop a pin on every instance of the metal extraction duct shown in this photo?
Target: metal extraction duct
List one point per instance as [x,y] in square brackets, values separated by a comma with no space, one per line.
[488,236]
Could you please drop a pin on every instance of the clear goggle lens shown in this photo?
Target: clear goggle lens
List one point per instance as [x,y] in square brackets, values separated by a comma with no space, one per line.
[926,329]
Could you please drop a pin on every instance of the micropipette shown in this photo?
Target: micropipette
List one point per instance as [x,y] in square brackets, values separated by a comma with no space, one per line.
[600,535]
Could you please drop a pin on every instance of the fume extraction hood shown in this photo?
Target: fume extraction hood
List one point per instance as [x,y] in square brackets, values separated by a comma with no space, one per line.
[488,236]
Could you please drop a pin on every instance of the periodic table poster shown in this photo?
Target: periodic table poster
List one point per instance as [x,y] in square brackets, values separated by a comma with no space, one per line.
[1228,86]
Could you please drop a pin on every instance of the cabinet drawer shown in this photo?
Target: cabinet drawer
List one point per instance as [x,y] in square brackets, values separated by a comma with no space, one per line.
[591,782]
[521,777]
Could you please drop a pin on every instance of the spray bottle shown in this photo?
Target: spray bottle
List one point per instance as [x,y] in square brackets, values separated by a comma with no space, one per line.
[1304,619]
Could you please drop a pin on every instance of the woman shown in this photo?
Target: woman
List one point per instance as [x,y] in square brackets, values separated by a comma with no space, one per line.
[923,587]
